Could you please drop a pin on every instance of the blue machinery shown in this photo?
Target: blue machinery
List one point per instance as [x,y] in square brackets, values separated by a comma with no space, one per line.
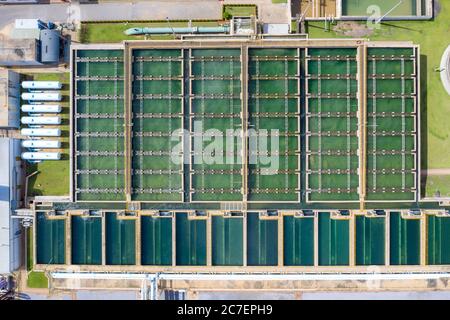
[176,30]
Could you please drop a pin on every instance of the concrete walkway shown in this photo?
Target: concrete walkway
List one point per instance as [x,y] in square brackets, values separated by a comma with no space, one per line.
[436,172]
[139,10]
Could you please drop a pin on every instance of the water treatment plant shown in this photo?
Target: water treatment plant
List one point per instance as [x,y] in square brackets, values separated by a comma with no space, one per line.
[205,156]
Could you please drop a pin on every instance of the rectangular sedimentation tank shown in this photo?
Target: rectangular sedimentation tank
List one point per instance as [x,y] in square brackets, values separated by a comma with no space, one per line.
[131,103]
[346,117]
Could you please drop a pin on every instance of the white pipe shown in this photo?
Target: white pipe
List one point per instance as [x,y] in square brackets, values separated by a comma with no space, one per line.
[249,277]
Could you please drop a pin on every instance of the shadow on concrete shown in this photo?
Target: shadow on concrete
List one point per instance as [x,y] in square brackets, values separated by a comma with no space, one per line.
[423,121]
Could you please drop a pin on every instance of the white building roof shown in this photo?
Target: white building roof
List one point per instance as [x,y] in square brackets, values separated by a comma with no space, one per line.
[9,98]
[27,24]
[276,28]
[9,228]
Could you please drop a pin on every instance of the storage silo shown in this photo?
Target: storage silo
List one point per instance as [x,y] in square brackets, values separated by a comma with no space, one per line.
[41,155]
[43,144]
[41,108]
[41,96]
[41,120]
[40,132]
[44,85]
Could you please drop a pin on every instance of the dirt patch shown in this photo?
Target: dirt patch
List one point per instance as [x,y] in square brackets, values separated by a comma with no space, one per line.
[6,30]
[352,29]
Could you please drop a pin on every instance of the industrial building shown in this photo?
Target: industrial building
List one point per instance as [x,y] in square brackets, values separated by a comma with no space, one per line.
[31,44]
[9,99]
[11,182]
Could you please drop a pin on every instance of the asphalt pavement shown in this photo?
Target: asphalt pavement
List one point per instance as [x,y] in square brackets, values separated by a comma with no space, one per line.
[148,10]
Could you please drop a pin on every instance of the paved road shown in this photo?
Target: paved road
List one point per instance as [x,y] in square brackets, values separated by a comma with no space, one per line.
[138,10]
[317,295]
[153,10]
[43,11]
[149,10]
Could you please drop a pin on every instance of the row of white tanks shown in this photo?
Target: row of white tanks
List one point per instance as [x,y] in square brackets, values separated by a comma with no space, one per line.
[38,114]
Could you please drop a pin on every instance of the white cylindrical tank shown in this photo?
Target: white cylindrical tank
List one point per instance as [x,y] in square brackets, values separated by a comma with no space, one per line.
[44,108]
[44,144]
[41,155]
[41,96]
[42,132]
[41,120]
[41,85]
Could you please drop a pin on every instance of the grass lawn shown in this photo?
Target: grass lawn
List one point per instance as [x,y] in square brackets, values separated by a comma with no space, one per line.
[439,184]
[53,177]
[432,37]
[37,280]
[230,11]
[113,32]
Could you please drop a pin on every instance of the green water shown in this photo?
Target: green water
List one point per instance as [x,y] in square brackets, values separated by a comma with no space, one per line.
[50,240]
[156,241]
[120,240]
[370,241]
[262,241]
[86,240]
[333,241]
[298,241]
[359,8]
[227,241]
[191,241]
[438,240]
[404,240]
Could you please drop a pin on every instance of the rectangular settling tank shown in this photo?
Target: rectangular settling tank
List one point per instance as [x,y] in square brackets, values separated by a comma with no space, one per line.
[404,240]
[438,240]
[50,240]
[156,240]
[86,240]
[333,240]
[190,240]
[298,241]
[362,8]
[262,241]
[120,240]
[370,240]
[227,241]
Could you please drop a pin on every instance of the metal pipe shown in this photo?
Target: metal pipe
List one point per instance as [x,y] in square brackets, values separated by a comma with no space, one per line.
[177,30]
[250,277]
[26,185]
